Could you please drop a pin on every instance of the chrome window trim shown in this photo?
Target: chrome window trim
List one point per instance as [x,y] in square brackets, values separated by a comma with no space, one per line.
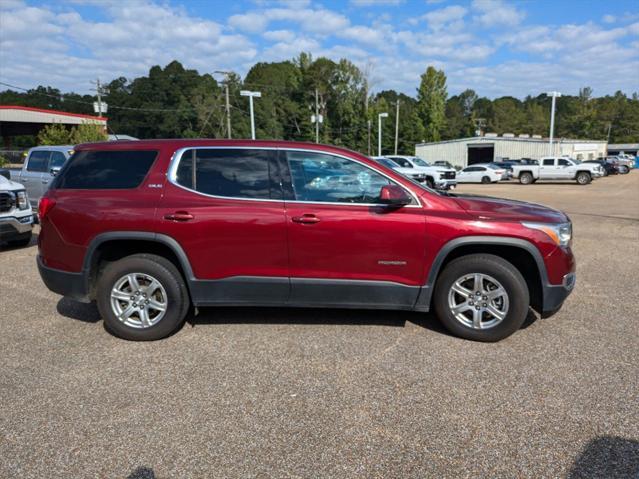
[171,175]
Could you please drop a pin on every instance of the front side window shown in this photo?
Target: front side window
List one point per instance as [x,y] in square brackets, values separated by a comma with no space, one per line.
[231,173]
[564,163]
[325,178]
[38,161]
[106,169]
[57,159]
[420,162]
[403,162]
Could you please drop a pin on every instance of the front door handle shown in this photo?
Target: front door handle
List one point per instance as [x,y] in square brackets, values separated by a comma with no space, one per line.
[179,216]
[307,219]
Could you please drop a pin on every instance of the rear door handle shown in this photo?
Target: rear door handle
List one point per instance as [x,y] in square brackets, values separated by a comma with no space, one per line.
[179,216]
[307,219]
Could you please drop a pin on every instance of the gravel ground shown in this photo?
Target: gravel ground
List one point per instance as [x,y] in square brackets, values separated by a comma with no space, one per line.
[324,393]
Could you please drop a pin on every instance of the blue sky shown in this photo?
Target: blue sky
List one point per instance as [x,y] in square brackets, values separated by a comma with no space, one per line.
[496,47]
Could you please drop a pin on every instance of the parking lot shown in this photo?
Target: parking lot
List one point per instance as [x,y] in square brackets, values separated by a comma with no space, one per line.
[333,393]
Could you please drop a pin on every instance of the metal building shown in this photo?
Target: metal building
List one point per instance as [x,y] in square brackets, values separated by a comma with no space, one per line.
[484,149]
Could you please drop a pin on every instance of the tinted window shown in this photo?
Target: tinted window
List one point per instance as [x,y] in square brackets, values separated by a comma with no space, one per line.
[403,162]
[326,178]
[470,169]
[420,162]
[107,169]
[233,173]
[549,162]
[563,163]
[57,159]
[38,161]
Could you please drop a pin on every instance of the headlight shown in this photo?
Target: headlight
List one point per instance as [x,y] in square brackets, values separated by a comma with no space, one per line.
[559,233]
[22,201]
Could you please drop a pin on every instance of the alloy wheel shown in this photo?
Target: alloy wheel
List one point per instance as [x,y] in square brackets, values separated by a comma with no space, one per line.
[478,301]
[138,300]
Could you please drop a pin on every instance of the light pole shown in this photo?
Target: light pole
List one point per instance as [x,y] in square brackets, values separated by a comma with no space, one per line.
[554,95]
[251,94]
[379,132]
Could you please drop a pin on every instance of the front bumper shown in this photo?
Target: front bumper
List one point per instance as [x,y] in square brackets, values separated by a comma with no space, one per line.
[554,296]
[445,184]
[15,226]
[72,285]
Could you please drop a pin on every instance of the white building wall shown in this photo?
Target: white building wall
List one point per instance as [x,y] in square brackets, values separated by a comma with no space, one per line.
[456,151]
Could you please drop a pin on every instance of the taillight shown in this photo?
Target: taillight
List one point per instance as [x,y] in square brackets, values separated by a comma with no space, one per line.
[46,204]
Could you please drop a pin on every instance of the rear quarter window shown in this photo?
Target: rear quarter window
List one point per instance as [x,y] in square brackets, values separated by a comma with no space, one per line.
[106,169]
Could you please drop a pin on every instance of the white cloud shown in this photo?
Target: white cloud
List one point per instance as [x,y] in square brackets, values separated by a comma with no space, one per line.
[491,13]
[609,19]
[279,35]
[370,3]
[438,19]
[310,20]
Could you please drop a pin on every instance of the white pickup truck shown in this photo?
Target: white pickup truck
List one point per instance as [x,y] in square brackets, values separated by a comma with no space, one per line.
[557,168]
[39,167]
[439,177]
[16,216]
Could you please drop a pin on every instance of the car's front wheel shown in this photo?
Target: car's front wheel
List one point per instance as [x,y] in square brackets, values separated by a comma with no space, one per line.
[623,169]
[142,297]
[526,178]
[583,178]
[481,297]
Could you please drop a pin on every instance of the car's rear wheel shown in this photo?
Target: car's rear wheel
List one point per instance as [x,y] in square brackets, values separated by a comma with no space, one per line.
[583,178]
[485,180]
[526,178]
[142,297]
[481,297]
[623,169]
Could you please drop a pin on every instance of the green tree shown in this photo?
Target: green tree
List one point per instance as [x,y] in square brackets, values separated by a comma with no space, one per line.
[87,133]
[54,134]
[431,97]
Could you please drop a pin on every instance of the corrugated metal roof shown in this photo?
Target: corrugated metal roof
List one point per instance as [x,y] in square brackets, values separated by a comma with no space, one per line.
[26,114]
[492,139]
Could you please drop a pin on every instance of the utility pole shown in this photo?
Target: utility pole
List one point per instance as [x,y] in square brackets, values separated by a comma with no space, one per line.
[228,103]
[316,116]
[99,107]
[369,138]
[396,125]
[554,95]
[379,132]
[251,94]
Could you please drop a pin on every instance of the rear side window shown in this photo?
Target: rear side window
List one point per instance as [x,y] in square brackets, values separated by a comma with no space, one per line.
[38,161]
[550,162]
[230,173]
[106,169]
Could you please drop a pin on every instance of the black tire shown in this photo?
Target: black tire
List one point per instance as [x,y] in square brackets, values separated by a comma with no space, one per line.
[583,178]
[605,173]
[162,270]
[22,241]
[485,180]
[430,183]
[498,268]
[624,170]
[526,178]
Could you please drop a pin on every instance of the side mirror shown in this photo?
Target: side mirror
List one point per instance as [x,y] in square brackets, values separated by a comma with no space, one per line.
[55,170]
[394,195]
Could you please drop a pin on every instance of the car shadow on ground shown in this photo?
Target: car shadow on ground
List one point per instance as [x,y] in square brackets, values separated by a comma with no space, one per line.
[6,247]
[142,472]
[88,313]
[607,456]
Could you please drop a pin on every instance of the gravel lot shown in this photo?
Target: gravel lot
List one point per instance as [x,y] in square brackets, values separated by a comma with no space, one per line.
[326,393]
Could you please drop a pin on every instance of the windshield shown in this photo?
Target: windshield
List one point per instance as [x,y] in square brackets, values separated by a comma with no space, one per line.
[420,162]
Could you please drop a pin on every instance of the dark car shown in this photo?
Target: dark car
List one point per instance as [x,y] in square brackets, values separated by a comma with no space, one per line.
[610,168]
[149,229]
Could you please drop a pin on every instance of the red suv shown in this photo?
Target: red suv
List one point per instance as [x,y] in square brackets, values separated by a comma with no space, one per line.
[148,229]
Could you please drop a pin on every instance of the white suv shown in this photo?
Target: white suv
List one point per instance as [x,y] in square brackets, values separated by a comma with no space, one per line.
[436,176]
